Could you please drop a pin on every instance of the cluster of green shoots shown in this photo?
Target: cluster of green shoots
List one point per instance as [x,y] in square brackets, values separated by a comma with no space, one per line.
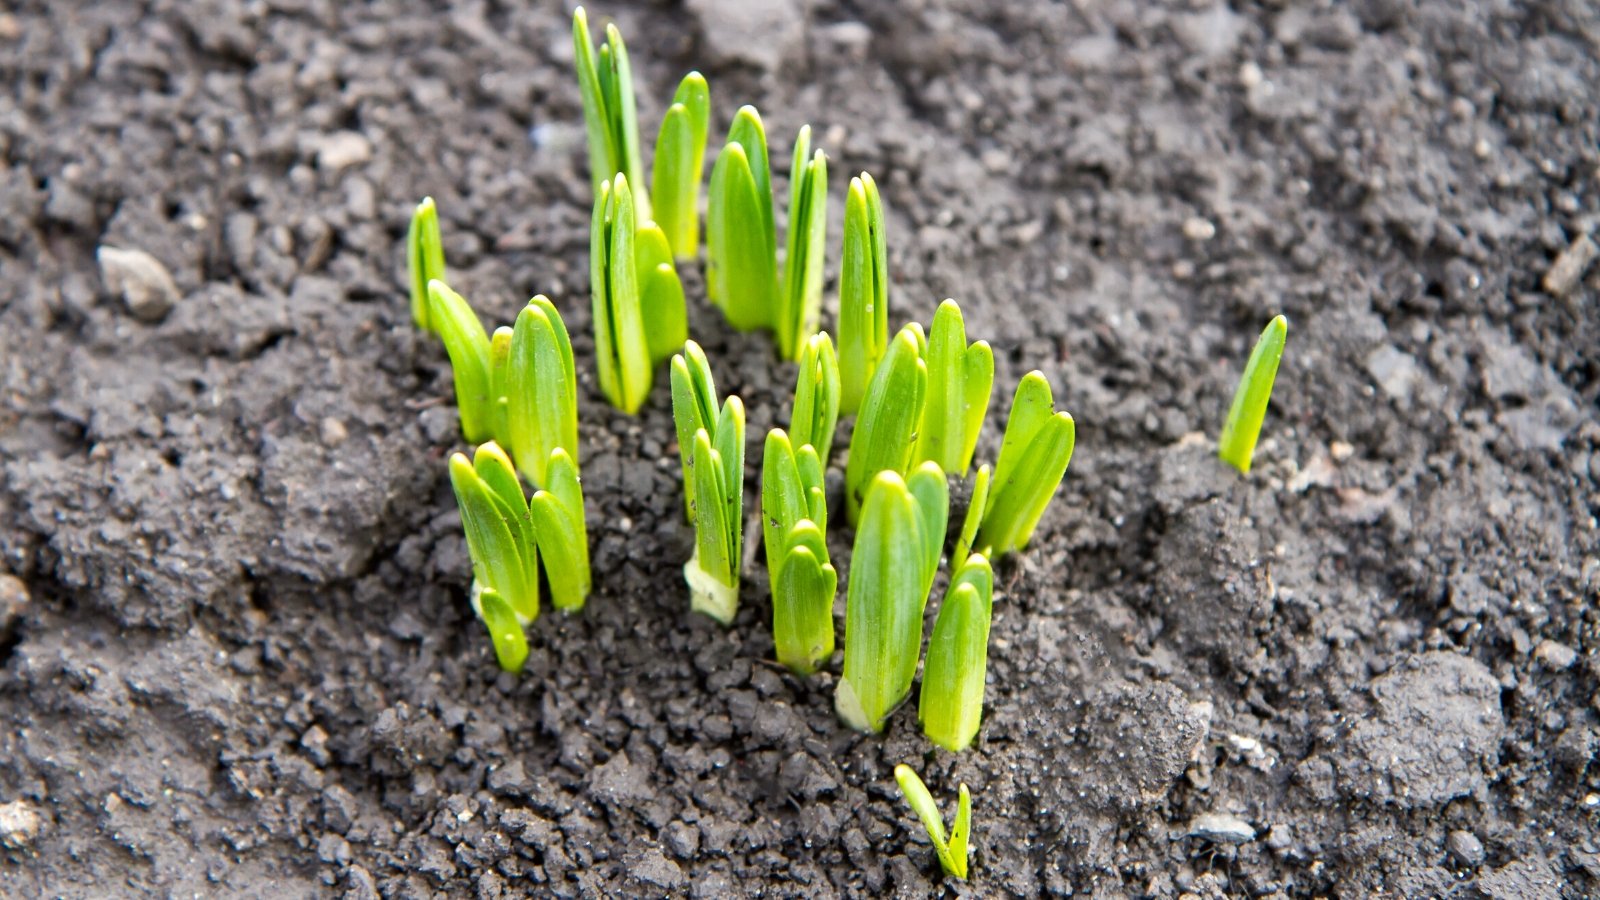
[919,400]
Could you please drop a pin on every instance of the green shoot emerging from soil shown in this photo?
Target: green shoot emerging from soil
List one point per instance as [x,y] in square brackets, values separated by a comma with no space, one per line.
[424,259]
[951,704]
[470,361]
[952,851]
[609,108]
[896,555]
[863,291]
[541,391]
[800,299]
[1237,445]
[1033,459]
[712,447]
[639,312]
[816,397]
[794,516]
[741,240]
[960,378]
[680,160]
[886,430]
[500,539]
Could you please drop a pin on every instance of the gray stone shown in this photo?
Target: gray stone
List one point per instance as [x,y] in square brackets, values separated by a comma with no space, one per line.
[1222,828]
[20,824]
[1569,266]
[1394,371]
[761,33]
[1465,848]
[1555,656]
[143,283]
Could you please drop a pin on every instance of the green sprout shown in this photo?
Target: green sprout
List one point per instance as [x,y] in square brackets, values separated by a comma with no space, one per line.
[639,312]
[1237,445]
[895,558]
[610,113]
[974,515]
[713,477]
[424,259]
[952,852]
[741,241]
[951,705]
[1033,459]
[800,298]
[471,363]
[561,528]
[541,389]
[500,539]
[794,516]
[886,430]
[679,165]
[816,396]
[960,378]
[863,292]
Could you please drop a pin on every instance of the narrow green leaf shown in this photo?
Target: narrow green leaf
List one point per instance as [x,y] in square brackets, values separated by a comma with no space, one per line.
[741,261]
[621,347]
[729,444]
[665,314]
[542,412]
[863,292]
[497,557]
[959,382]
[816,396]
[929,488]
[811,476]
[679,165]
[468,347]
[712,574]
[1033,459]
[494,467]
[783,498]
[1237,445]
[886,430]
[800,298]
[1031,407]
[559,525]
[951,705]
[623,107]
[499,380]
[974,516]
[694,406]
[883,610]
[960,835]
[424,259]
[921,801]
[802,600]
[510,642]
[597,116]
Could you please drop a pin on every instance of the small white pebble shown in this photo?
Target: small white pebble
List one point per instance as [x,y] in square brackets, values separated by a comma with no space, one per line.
[1198,229]
[1249,75]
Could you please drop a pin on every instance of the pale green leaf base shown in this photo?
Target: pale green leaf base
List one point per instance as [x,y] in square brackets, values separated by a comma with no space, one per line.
[709,596]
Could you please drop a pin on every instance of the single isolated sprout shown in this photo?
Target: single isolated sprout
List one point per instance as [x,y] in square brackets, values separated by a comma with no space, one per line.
[863,292]
[800,297]
[500,539]
[816,397]
[741,239]
[951,704]
[424,259]
[1033,459]
[541,390]
[794,516]
[679,165]
[886,429]
[952,850]
[1237,444]
[714,483]
[639,312]
[896,555]
[960,379]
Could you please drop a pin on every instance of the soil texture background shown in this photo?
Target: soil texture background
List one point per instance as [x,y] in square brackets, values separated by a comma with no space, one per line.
[236,656]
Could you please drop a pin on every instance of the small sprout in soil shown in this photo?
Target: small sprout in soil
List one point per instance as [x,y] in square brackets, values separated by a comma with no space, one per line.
[741,240]
[424,259]
[609,108]
[952,851]
[794,516]
[562,532]
[541,390]
[863,292]
[891,571]
[816,397]
[800,299]
[679,165]
[639,312]
[886,429]
[960,378]
[713,475]
[951,705]
[500,539]
[470,360]
[1237,445]
[1033,459]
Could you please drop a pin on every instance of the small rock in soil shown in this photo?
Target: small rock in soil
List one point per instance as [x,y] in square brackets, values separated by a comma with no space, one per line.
[140,279]
[1569,266]
[762,33]
[342,150]
[20,824]
[1555,656]
[1222,828]
[1465,848]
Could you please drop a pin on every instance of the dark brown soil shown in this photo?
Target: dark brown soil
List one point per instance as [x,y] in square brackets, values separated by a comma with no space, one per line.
[237,655]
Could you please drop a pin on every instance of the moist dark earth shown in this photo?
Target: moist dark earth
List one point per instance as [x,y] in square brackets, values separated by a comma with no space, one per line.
[238,658]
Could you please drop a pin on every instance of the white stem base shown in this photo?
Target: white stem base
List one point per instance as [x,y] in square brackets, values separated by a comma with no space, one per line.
[708,595]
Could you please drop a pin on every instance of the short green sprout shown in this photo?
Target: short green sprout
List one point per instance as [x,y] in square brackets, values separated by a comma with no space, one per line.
[1033,459]
[679,165]
[741,240]
[960,378]
[863,292]
[794,517]
[470,361]
[896,555]
[816,396]
[1237,445]
[800,297]
[424,259]
[951,704]
[952,851]
[541,390]
[560,526]
[639,311]
[713,458]
[500,539]
[610,111]
[886,429]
